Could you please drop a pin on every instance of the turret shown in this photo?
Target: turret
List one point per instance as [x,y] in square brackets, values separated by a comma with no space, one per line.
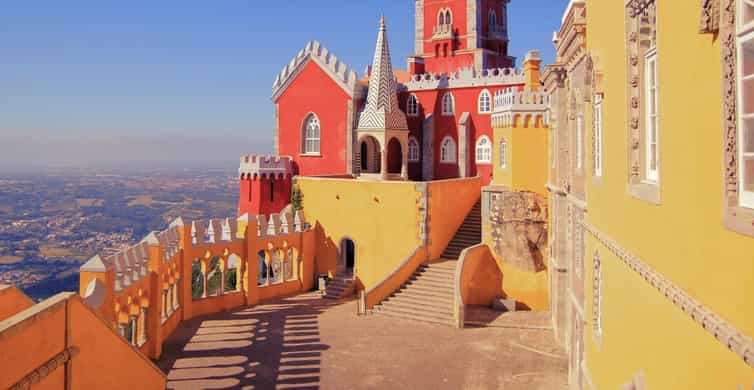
[265,184]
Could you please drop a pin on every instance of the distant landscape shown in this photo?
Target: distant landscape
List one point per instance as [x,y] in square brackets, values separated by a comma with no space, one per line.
[53,220]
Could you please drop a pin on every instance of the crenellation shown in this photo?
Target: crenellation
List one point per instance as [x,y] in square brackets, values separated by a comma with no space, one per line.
[466,77]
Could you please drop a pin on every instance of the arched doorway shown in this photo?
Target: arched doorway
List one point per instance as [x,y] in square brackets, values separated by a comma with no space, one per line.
[394,156]
[347,255]
[370,155]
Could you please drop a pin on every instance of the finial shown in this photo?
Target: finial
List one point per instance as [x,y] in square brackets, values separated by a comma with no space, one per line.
[382,22]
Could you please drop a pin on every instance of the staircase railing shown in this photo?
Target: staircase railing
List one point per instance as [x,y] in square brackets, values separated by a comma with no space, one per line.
[392,282]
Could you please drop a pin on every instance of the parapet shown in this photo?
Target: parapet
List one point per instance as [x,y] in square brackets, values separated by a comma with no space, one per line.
[519,108]
[467,77]
[265,166]
[345,77]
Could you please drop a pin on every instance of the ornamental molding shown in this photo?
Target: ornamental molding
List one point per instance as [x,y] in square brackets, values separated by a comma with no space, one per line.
[735,340]
[710,19]
[345,77]
[467,77]
[730,123]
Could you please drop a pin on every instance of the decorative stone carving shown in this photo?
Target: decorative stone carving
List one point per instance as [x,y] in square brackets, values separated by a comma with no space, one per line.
[730,124]
[710,20]
[519,230]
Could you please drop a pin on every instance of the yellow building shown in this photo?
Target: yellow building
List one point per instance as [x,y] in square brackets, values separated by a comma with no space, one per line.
[651,191]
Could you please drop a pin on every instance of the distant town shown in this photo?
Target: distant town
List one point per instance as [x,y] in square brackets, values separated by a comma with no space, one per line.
[54,220]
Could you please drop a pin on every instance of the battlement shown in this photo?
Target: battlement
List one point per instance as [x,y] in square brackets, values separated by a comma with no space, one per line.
[265,166]
[519,108]
[468,77]
[347,78]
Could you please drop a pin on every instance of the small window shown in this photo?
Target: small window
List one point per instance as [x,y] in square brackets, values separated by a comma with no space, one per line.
[448,150]
[483,150]
[492,19]
[413,150]
[448,104]
[448,18]
[485,102]
[651,151]
[441,18]
[746,104]
[598,135]
[311,135]
[503,154]
[412,105]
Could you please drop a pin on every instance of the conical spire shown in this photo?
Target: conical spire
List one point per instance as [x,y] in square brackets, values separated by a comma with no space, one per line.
[381,110]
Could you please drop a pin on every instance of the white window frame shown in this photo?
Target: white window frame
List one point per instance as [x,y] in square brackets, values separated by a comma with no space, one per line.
[503,154]
[448,150]
[412,105]
[744,34]
[413,150]
[483,150]
[597,135]
[309,140]
[448,104]
[579,142]
[484,102]
[651,117]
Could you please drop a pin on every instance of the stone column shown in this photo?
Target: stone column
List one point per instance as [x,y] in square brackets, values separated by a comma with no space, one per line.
[404,160]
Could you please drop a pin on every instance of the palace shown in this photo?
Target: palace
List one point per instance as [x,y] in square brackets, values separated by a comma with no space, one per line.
[611,192]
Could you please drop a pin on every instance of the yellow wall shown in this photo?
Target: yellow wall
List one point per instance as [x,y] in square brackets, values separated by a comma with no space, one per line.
[444,221]
[527,167]
[481,280]
[683,238]
[380,217]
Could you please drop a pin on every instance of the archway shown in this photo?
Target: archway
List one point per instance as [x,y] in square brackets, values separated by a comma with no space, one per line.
[394,156]
[370,155]
[347,255]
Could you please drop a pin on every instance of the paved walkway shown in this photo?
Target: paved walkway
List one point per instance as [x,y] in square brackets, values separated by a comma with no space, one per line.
[305,342]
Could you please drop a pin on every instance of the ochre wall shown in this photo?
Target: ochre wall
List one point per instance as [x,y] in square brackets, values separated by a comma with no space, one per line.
[449,203]
[683,238]
[481,280]
[314,91]
[380,217]
[12,300]
[525,171]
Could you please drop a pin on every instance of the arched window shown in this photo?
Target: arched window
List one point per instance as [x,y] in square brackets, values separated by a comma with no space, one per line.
[492,19]
[503,153]
[231,274]
[448,18]
[441,18]
[483,150]
[448,104]
[448,150]
[311,135]
[485,102]
[412,105]
[413,149]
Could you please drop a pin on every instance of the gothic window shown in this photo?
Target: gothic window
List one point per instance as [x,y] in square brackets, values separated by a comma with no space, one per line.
[448,104]
[597,298]
[597,153]
[503,153]
[448,150]
[441,18]
[448,17]
[492,20]
[485,102]
[745,88]
[483,150]
[644,115]
[412,105]
[311,135]
[413,149]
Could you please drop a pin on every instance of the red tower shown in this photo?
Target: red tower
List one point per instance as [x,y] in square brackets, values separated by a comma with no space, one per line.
[265,183]
[456,34]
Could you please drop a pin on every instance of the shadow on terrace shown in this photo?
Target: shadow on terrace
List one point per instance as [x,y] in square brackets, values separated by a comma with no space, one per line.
[271,346]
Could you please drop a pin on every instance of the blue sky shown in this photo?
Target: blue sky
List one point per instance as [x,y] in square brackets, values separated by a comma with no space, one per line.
[77,73]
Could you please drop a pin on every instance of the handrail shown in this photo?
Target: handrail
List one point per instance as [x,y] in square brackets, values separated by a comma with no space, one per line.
[459,308]
[368,297]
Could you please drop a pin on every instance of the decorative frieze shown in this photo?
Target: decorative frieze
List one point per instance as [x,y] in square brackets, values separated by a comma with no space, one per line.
[710,20]
[741,344]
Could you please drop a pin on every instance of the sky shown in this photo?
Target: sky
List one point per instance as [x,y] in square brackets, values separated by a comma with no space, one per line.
[87,82]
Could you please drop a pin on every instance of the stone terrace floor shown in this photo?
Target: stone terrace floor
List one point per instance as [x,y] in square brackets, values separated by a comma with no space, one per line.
[305,342]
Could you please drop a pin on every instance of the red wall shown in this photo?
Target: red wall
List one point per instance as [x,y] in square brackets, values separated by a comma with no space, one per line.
[255,196]
[313,91]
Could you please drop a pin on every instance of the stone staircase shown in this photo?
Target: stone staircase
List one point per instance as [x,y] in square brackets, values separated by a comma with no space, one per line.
[469,234]
[339,287]
[427,296]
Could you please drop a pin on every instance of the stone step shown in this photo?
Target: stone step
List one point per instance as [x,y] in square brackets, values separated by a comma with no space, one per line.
[434,276]
[429,289]
[425,281]
[418,297]
[412,317]
[444,310]
[417,315]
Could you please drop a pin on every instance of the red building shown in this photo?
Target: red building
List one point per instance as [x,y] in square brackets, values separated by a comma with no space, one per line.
[444,101]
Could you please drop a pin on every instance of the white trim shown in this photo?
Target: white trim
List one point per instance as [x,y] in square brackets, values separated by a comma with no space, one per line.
[448,156]
[485,157]
[651,117]
[311,143]
[451,103]
[413,143]
[482,109]
[745,198]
